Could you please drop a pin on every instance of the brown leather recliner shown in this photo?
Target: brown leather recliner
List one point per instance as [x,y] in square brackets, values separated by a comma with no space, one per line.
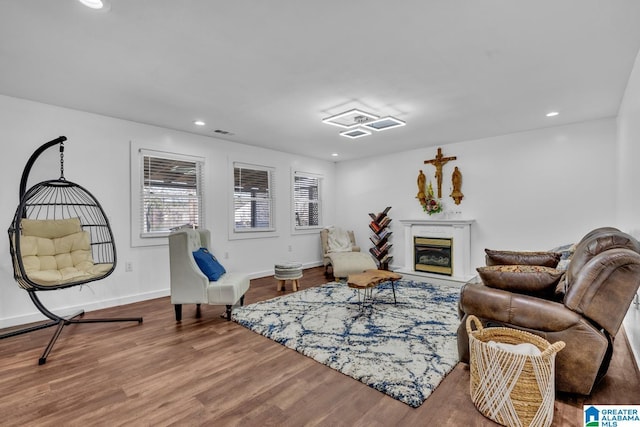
[599,286]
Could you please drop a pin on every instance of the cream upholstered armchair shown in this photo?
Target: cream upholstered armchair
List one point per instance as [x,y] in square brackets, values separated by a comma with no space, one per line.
[324,240]
[189,285]
[345,257]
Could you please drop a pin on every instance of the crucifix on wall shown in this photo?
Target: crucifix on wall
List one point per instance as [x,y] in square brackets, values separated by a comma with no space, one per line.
[438,162]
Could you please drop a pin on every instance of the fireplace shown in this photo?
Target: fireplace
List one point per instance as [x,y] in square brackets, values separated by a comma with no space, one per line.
[455,233]
[433,255]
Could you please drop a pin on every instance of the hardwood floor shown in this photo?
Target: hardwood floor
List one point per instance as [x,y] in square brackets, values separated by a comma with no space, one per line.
[209,371]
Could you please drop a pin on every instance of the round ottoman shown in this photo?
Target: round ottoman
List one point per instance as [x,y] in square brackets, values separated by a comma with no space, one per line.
[288,271]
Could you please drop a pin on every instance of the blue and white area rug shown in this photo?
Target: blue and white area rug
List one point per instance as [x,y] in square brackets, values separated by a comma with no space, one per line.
[403,350]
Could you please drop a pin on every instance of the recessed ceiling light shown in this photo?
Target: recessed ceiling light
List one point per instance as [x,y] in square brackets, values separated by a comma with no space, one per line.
[199,123]
[334,154]
[552,114]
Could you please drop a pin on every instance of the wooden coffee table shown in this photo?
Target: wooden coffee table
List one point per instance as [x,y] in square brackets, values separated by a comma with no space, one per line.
[368,280]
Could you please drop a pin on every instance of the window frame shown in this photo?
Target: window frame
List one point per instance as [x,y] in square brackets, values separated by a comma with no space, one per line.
[302,229]
[138,155]
[271,230]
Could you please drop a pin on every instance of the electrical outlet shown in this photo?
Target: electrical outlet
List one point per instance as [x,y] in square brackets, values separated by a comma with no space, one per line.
[290,248]
[226,255]
[128,266]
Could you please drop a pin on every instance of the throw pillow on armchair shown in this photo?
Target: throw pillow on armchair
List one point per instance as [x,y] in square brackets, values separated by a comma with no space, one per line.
[208,264]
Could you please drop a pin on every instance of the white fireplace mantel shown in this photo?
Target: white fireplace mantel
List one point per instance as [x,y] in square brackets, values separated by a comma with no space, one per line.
[459,230]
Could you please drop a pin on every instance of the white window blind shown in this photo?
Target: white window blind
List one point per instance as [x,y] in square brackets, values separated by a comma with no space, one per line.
[306,200]
[253,198]
[171,194]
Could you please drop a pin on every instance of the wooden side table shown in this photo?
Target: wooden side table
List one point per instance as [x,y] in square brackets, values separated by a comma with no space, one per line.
[368,280]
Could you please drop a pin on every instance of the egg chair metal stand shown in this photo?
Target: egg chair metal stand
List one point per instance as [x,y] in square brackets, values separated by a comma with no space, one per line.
[36,240]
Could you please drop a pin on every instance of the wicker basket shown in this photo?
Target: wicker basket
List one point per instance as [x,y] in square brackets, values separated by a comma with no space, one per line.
[509,388]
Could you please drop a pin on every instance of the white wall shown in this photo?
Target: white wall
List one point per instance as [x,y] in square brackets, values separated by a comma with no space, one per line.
[97,156]
[629,155]
[529,191]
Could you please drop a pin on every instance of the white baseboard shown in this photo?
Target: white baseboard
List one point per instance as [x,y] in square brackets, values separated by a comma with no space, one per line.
[36,316]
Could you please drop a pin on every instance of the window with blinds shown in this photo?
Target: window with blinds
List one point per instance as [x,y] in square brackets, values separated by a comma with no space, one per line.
[253,198]
[171,194]
[306,200]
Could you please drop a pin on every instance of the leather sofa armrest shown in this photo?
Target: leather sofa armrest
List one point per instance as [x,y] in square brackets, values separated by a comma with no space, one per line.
[603,289]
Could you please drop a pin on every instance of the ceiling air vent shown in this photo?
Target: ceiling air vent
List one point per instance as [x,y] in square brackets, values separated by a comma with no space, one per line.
[223,132]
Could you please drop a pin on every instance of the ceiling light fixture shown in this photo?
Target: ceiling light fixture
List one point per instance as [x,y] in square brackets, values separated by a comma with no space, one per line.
[384,123]
[356,121]
[355,133]
[349,119]
[199,123]
[552,114]
[97,4]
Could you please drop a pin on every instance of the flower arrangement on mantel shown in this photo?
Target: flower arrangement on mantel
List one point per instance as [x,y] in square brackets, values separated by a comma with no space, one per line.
[429,203]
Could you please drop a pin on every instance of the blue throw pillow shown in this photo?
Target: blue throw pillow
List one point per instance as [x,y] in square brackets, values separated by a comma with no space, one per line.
[208,264]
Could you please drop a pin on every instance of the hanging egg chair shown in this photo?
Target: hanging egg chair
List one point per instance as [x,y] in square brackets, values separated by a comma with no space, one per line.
[60,237]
